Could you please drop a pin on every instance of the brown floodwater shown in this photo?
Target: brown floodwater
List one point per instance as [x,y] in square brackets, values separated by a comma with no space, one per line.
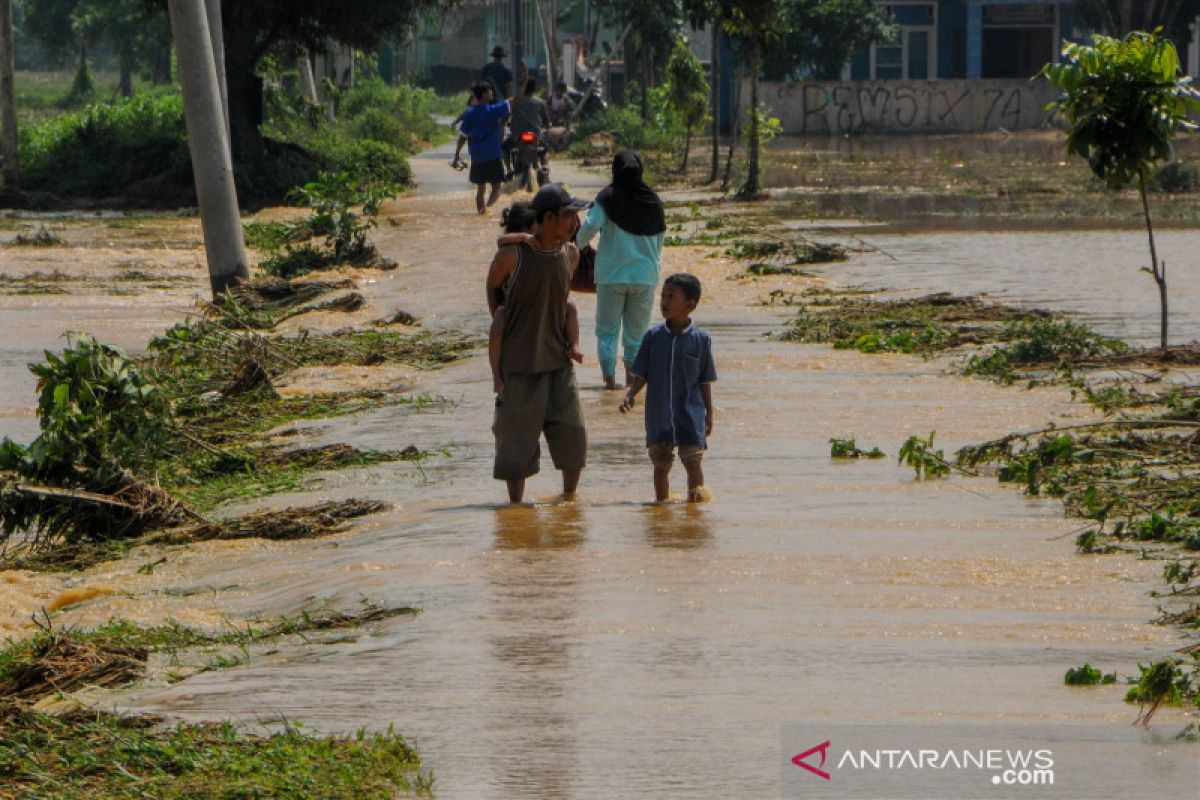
[608,647]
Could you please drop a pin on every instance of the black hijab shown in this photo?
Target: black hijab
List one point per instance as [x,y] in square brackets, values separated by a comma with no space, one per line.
[629,202]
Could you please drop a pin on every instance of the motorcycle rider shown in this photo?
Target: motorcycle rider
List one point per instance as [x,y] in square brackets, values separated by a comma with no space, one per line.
[560,105]
[529,114]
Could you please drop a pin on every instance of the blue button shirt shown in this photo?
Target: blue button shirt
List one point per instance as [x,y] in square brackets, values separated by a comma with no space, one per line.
[481,126]
[674,366]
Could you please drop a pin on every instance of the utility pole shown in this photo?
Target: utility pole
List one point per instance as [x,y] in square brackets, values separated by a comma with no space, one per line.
[216,31]
[518,33]
[8,98]
[208,141]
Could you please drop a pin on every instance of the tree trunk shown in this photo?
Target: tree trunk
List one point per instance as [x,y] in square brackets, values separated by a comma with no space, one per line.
[1157,269]
[160,70]
[751,188]
[125,85]
[733,137]
[687,146]
[644,72]
[716,100]
[8,99]
[208,143]
[308,84]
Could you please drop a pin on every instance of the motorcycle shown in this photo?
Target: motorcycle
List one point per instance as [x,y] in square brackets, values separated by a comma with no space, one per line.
[529,158]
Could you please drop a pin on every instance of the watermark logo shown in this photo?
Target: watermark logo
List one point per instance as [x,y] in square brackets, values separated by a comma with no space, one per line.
[800,762]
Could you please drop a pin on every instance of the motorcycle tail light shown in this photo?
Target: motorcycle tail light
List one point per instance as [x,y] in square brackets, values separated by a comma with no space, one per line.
[527,137]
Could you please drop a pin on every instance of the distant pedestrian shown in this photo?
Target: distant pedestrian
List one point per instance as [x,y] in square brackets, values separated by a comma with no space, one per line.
[675,361]
[498,74]
[481,131]
[631,222]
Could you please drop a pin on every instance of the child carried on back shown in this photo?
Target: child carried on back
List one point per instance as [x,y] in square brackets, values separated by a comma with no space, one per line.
[518,223]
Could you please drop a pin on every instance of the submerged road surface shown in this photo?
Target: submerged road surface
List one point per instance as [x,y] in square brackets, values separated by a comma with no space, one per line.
[612,648]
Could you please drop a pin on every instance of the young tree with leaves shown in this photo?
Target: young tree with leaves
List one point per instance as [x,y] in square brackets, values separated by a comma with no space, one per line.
[753,24]
[1125,100]
[688,93]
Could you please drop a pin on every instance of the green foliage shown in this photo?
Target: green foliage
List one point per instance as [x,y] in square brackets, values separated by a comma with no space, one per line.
[820,36]
[1124,100]
[626,126]
[1036,466]
[1176,177]
[1087,675]
[848,448]
[1161,682]
[926,462]
[105,756]
[687,84]
[100,417]
[1041,343]
[102,150]
[98,413]
[344,210]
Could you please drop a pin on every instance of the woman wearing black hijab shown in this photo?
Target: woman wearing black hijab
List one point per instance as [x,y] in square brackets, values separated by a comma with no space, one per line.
[629,218]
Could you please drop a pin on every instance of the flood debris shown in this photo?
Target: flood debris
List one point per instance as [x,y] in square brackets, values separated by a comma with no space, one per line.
[44,753]
[130,446]
[305,522]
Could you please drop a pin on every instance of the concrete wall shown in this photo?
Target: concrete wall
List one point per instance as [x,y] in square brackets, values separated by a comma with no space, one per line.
[811,107]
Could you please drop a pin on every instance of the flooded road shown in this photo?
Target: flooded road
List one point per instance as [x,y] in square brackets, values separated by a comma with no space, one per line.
[612,648]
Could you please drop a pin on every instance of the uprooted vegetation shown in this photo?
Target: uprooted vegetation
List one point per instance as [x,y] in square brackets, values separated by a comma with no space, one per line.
[1001,342]
[84,751]
[343,210]
[131,446]
[765,251]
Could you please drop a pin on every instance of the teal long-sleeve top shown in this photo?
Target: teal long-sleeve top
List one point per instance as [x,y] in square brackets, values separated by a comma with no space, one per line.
[622,257]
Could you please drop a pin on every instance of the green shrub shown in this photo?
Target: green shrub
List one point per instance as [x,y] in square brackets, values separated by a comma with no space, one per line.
[103,149]
[1176,177]
[369,161]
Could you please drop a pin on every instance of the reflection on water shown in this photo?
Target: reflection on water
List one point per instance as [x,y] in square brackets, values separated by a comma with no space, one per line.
[535,599]
[683,526]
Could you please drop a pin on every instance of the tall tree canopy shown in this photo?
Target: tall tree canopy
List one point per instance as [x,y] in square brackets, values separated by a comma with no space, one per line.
[1119,17]
[820,36]
[254,29]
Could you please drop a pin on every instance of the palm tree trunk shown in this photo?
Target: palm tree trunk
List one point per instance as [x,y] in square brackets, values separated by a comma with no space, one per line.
[1157,269]
[733,135]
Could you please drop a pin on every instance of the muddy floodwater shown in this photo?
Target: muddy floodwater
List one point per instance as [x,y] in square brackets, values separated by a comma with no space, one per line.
[611,648]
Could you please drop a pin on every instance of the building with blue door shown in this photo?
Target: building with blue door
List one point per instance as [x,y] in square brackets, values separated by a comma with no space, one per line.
[973,39]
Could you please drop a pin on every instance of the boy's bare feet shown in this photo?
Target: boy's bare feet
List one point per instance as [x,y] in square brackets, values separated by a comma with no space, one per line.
[575,354]
[700,494]
[610,382]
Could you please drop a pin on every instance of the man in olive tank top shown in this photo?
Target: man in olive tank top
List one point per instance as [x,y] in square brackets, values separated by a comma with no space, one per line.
[540,395]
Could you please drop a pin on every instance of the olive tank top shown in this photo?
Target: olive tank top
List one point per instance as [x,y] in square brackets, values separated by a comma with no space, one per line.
[535,306]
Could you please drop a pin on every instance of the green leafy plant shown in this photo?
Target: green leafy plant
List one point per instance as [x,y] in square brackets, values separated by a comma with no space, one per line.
[1125,100]
[1087,675]
[848,448]
[344,210]
[1160,682]
[926,462]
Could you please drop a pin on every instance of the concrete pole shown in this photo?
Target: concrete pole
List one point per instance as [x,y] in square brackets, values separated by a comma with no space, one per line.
[216,31]
[212,165]
[8,98]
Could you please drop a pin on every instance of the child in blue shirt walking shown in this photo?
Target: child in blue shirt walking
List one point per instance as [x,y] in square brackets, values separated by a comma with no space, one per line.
[675,361]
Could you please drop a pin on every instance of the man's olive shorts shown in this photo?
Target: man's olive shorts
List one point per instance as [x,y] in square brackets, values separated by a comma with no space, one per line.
[533,404]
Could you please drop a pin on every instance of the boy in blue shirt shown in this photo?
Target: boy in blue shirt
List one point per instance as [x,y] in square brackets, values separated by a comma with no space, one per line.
[482,132]
[675,361]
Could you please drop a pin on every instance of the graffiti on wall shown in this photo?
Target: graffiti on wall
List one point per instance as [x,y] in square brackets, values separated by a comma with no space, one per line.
[908,106]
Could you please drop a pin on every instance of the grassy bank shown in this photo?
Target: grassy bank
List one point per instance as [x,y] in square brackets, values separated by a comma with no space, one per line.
[84,752]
